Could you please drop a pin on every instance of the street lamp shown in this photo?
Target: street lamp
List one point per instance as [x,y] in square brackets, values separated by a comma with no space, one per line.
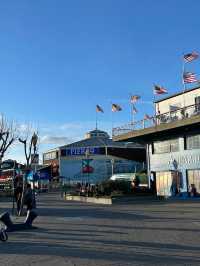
[112,160]
[87,154]
[34,140]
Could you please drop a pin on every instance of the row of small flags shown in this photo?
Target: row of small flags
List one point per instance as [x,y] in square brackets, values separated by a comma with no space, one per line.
[133,99]
[188,77]
[117,108]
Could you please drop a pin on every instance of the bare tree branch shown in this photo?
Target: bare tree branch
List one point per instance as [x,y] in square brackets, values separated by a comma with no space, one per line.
[8,135]
[29,140]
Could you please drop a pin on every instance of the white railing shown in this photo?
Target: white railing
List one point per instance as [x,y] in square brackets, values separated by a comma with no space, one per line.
[164,118]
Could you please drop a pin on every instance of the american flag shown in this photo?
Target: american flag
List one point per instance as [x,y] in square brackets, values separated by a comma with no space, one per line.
[189,77]
[99,109]
[159,90]
[191,56]
[116,108]
[135,98]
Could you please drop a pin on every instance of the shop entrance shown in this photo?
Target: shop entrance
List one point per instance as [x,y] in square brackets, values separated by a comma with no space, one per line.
[194,180]
[168,183]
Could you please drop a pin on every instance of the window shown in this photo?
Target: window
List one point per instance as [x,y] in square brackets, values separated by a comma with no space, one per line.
[194,178]
[197,103]
[168,183]
[50,156]
[63,152]
[193,142]
[166,146]
[174,145]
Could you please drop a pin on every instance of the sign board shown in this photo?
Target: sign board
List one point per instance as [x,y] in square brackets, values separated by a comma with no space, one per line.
[35,158]
[80,151]
[86,167]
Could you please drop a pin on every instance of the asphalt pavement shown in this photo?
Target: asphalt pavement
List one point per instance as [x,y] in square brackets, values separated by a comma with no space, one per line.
[140,232]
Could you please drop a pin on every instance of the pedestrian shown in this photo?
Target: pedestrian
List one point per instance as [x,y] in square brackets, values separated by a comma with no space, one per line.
[193,191]
[18,191]
[28,198]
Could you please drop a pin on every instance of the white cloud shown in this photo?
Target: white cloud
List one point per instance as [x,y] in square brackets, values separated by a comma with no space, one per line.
[54,135]
[57,140]
[23,127]
[70,126]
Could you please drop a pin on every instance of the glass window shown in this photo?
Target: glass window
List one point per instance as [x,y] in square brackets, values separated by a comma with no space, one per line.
[197,103]
[63,152]
[166,146]
[50,156]
[193,142]
[194,180]
[174,145]
[161,147]
[168,183]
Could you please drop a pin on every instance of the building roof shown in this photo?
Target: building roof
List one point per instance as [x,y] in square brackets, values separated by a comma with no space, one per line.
[177,94]
[101,142]
[52,150]
[97,133]
[98,138]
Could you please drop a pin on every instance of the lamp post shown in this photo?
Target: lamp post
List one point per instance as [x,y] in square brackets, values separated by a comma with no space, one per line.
[112,160]
[13,187]
[29,147]
[34,140]
[87,154]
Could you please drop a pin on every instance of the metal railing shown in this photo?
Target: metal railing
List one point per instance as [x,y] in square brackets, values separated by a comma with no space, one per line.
[164,118]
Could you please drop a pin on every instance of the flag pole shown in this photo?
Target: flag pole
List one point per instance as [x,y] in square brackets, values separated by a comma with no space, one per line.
[96,120]
[132,113]
[184,84]
[154,99]
[183,71]
[111,119]
[154,104]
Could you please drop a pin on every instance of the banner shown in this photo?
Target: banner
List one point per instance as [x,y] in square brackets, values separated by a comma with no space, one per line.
[86,168]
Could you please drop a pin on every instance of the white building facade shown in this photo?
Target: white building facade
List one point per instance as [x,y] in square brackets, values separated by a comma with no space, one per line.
[172,138]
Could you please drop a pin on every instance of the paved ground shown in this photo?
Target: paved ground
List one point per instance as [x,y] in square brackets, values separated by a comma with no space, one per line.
[140,233]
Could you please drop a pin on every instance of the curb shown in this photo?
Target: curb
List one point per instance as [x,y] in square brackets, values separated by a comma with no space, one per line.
[107,201]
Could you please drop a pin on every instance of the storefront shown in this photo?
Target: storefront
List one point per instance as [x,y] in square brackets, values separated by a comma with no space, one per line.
[172,139]
[168,183]
[175,163]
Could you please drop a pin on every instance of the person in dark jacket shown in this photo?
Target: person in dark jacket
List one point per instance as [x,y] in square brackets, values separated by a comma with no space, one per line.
[18,191]
[28,198]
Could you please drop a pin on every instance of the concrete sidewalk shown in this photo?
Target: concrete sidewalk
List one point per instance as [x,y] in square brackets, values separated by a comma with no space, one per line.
[140,233]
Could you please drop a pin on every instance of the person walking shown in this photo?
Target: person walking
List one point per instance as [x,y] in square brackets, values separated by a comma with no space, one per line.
[28,198]
[18,191]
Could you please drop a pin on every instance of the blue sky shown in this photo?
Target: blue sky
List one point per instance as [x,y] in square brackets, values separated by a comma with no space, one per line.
[59,58]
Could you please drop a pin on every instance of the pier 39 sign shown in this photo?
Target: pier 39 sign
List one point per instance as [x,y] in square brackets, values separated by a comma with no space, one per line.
[80,151]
